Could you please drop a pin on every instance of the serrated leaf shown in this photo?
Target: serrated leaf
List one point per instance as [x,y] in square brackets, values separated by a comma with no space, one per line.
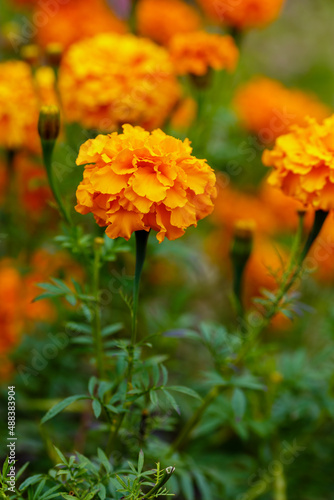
[61,406]
[172,401]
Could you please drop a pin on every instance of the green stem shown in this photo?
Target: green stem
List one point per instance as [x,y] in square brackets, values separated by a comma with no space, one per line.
[294,270]
[48,147]
[185,433]
[97,314]
[141,245]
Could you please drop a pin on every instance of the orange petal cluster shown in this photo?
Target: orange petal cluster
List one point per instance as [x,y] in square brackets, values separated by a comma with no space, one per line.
[18,107]
[267,108]
[113,79]
[195,53]
[303,162]
[141,181]
[243,14]
[75,20]
[162,19]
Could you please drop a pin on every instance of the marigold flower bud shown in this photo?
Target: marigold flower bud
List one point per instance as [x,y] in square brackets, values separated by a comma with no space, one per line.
[30,54]
[53,54]
[49,123]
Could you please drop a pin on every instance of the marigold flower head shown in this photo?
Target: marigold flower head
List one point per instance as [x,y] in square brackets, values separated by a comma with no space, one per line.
[162,19]
[76,20]
[18,107]
[195,53]
[303,164]
[113,79]
[243,14]
[267,108]
[141,181]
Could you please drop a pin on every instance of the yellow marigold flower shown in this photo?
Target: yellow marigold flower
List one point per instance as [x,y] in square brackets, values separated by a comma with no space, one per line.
[18,107]
[303,164]
[77,20]
[267,108]
[140,181]
[195,53]
[113,79]
[162,19]
[243,14]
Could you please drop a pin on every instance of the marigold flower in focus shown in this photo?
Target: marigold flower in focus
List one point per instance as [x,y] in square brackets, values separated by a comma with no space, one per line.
[141,181]
[76,20]
[267,108]
[160,20]
[195,53]
[243,14]
[112,79]
[303,164]
[18,107]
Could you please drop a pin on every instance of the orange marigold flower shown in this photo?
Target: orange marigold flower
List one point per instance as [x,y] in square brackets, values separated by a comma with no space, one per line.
[78,19]
[195,53]
[303,164]
[243,14]
[141,181]
[113,79]
[266,107]
[18,107]
[162,19]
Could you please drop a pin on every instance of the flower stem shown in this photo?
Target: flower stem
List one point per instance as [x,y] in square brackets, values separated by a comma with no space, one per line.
[47,148]
[294,270]
[97,313]
[185,433]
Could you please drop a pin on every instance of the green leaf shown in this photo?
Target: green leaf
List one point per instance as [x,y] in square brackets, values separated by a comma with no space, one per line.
[172,401]
[102,493]
[140,461]
[91,385]
[238,403]
[111,329]
[97,408]
[60,407]
[30,481]
[184,390]
[104,460]
[60,455]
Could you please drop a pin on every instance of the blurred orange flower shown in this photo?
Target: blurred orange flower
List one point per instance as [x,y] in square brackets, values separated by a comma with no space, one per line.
[232,205]
[32,186]
[243,14]
[195,53]
[45,84]
[10,311]
[267,108]
[18,107]
[78,19]
[185,114]
[140,181]
[162,19]
[113,79]
[303,164]
[283,208]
